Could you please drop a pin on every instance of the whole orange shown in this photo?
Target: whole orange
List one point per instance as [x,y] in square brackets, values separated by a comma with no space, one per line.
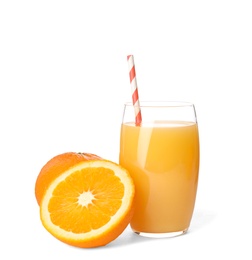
[55,166]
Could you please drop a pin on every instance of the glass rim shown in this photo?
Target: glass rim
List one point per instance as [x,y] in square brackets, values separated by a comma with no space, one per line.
[161,104]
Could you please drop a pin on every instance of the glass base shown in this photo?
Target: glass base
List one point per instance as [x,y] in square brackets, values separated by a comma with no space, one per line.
[161,235]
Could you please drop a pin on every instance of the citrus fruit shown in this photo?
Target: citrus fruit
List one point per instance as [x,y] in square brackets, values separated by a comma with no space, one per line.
[55,166]
[85,201]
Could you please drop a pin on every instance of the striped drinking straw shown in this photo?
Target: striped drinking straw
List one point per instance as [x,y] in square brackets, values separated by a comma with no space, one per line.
[133,83]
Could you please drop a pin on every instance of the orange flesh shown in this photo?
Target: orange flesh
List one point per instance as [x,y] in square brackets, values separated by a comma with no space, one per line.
[83,199]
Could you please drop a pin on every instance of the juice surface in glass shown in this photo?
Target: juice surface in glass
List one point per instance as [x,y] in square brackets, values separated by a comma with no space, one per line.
[163,159]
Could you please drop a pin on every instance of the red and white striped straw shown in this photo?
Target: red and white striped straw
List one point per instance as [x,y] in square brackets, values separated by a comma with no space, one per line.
[134,90]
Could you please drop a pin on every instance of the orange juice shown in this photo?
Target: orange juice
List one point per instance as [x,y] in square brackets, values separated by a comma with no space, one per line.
[163,159]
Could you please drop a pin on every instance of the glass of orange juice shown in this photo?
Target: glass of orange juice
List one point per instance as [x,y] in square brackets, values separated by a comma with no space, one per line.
[162,156]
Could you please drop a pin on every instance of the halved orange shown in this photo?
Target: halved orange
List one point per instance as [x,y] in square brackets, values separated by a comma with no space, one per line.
[87,204]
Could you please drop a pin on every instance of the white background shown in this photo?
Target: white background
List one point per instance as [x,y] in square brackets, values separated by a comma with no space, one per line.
[63,82]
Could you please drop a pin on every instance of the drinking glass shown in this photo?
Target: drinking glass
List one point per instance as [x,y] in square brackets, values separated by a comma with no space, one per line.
[162,156]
